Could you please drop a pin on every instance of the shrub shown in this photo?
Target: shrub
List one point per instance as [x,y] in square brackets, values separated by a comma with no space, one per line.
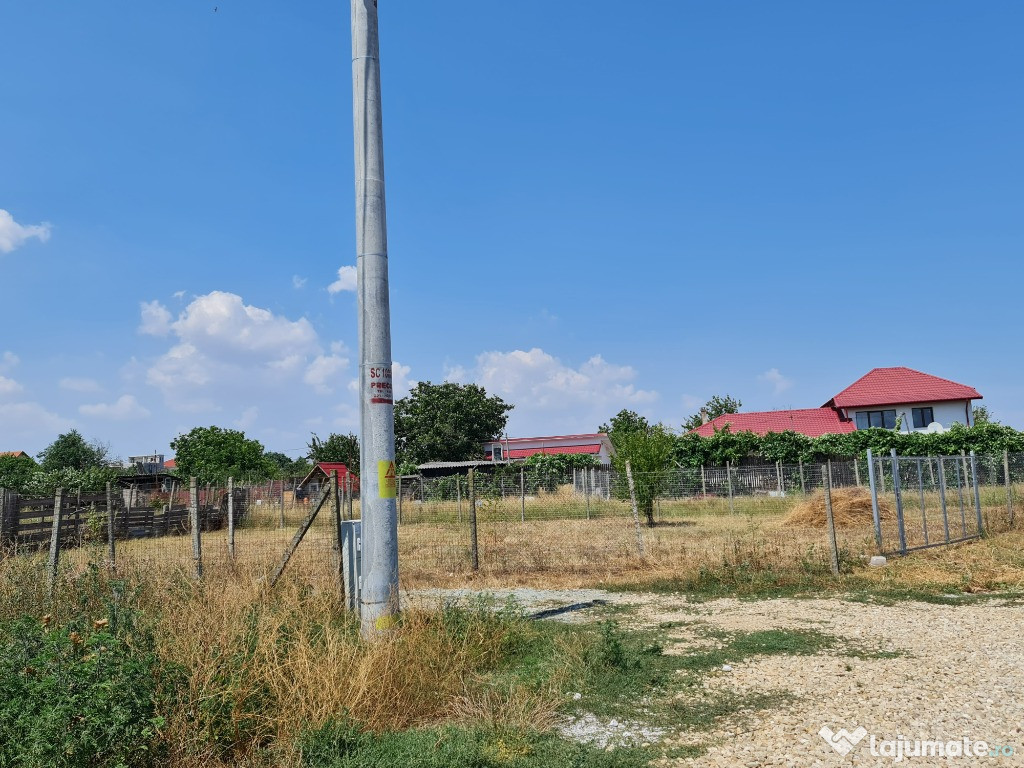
[83,694]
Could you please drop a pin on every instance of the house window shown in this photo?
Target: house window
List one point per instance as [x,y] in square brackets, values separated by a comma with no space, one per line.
[496,453]
[883,419]
[923,417]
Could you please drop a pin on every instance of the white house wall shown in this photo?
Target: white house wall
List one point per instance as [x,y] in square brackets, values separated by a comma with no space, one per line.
[947,413]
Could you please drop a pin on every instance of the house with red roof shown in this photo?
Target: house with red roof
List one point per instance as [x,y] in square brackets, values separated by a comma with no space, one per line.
[883,397]
[320,475]
[596,444]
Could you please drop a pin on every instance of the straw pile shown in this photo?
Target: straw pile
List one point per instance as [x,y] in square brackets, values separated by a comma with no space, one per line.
[851,507]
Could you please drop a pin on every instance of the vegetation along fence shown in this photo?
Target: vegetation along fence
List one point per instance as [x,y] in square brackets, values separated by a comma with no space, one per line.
[515,522]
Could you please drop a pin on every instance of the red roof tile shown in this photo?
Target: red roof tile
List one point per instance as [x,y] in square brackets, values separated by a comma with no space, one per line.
[813,422]
[170,464]
[522,453]
[894,386]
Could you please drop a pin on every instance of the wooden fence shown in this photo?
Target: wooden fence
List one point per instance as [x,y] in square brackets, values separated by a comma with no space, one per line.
[28,522]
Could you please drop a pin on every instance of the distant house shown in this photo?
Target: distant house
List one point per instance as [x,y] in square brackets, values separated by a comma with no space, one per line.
[596,444]
[170,465]
[320,475]
[883,397]
[15,454]
[149,464]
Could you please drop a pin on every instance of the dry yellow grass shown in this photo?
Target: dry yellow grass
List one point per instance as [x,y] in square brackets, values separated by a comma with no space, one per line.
[850,507]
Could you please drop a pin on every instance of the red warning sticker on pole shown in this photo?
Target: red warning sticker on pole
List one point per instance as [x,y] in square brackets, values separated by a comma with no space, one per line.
[379,382]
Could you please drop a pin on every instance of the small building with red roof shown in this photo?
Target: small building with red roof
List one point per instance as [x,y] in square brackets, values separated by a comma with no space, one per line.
[594,444]
[883,397]
[321,474]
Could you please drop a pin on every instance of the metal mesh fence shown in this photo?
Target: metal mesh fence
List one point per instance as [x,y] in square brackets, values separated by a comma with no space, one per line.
[524,524]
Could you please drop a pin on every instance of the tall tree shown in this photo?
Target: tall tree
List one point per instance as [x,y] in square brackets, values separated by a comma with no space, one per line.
[719,405]
[212,455]
[72,451]
[624,423]
[16,471]
[343,448]
[649,453]
[447,422]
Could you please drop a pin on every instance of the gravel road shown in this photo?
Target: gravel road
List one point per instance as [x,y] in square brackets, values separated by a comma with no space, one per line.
[959,673]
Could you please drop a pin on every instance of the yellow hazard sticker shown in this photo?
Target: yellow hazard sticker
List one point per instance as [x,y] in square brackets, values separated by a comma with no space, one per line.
[387,479]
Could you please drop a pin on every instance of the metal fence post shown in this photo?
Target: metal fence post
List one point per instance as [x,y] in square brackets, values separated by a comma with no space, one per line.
[636,510]
[197,537]
[924,507]
[231,515]
[897,489]
[586,490]
[778,476]
[473,542]
[977,493]
[960,496]
[874,500]
[703,482]
[522,494]
[54,558]
[830,521]
[728,478]
[803,484]
[111,553]
[942,497]
[398,491]
[1009,487]
[856,470]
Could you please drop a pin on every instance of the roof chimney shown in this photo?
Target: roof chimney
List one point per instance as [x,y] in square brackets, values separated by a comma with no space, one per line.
[704,416]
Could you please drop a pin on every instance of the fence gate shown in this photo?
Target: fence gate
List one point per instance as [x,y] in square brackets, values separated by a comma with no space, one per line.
[924,501]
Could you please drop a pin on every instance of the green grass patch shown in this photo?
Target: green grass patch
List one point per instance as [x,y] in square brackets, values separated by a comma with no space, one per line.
[343,745]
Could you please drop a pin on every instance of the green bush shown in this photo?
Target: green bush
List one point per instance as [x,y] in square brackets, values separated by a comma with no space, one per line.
[343,745]
[82,694]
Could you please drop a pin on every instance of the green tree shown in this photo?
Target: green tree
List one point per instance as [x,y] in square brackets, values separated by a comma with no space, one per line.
[624,423]
[447,422]
[16,472]
[212,455]
[72,451]
[649,453]
[343,448]
[719,405]
[982,415]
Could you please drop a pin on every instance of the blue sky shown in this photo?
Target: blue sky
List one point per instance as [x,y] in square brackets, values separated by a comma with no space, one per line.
[592,206]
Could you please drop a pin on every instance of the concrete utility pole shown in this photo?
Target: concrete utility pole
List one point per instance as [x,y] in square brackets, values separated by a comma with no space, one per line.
[378,484]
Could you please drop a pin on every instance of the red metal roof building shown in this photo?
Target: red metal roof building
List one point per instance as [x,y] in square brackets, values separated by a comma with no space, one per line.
[883,397]
[594,444]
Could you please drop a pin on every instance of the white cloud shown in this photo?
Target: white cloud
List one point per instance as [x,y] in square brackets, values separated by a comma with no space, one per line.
[550,395]
[690,402]
[156,318]
[8,361]
[26,421]
[248,417]
[179,295]
[13,234]
[778,382]
[321,374]
[125,408]
[346,280]
[299,282]
[9,386]
[72,384]
[222,323]
[225,350]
